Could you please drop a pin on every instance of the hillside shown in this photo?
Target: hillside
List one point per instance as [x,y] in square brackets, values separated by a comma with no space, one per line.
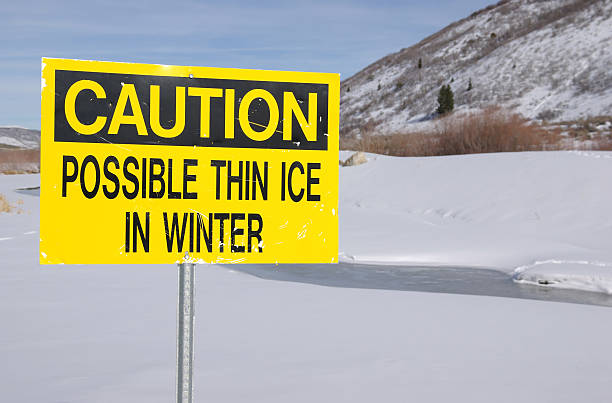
[17,137]
[545,59]
[19,150]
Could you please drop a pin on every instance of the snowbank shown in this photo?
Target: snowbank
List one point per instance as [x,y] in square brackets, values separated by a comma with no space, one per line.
[583,275]
[502,211]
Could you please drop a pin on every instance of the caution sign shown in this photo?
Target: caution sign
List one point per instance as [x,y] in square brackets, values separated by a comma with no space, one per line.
[142,163]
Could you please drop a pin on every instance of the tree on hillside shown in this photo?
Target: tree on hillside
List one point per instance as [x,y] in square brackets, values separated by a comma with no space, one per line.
[469,88]
[420,63]
[446,101]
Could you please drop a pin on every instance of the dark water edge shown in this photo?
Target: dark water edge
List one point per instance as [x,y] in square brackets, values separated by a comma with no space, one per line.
[450,280]
[32,191]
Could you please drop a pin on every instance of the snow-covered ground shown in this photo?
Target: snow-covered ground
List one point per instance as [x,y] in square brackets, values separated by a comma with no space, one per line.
[107,333]
[508,211]
[104,334]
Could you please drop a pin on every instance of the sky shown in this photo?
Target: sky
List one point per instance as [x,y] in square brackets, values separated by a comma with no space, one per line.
[333,36]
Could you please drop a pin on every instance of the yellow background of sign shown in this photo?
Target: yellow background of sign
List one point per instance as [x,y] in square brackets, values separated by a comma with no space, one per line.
[77,230]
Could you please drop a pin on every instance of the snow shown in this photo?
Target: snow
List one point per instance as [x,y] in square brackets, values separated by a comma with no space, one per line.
[584,275]
[10,141]
[94,333]
[505,211]
[501,211]
[107,333]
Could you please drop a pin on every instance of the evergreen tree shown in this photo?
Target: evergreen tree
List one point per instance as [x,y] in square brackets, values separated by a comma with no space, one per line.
[470,85]
[420,63]
[446,101]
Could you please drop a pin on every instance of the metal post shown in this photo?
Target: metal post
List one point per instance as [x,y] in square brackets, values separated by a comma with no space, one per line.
[184,345]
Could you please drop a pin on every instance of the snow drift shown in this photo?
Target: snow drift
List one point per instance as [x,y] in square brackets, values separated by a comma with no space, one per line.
[504,211]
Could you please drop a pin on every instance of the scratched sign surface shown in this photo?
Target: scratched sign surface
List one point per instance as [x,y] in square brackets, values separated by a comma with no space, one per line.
[142,163]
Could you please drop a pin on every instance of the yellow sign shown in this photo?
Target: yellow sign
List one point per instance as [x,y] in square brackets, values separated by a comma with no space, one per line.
[142,163]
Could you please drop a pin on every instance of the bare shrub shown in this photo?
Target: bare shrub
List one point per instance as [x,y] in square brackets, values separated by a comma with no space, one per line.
[399,144]
[18,161]
[602,144]
[487,131]
[548,114]
[6,207]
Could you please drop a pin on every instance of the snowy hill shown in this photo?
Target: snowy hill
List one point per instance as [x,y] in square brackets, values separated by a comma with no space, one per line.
[18,137]
[547,59]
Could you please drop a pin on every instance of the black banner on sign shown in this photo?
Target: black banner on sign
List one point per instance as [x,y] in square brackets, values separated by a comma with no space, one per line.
[204,112]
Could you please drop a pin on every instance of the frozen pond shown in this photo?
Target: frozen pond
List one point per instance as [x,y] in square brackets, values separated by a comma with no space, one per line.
[452,280]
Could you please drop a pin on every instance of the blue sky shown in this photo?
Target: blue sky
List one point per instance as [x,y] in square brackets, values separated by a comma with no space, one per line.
[329,36]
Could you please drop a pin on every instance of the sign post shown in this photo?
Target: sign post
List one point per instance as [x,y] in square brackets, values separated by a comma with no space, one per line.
[156,164]
[184,341]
